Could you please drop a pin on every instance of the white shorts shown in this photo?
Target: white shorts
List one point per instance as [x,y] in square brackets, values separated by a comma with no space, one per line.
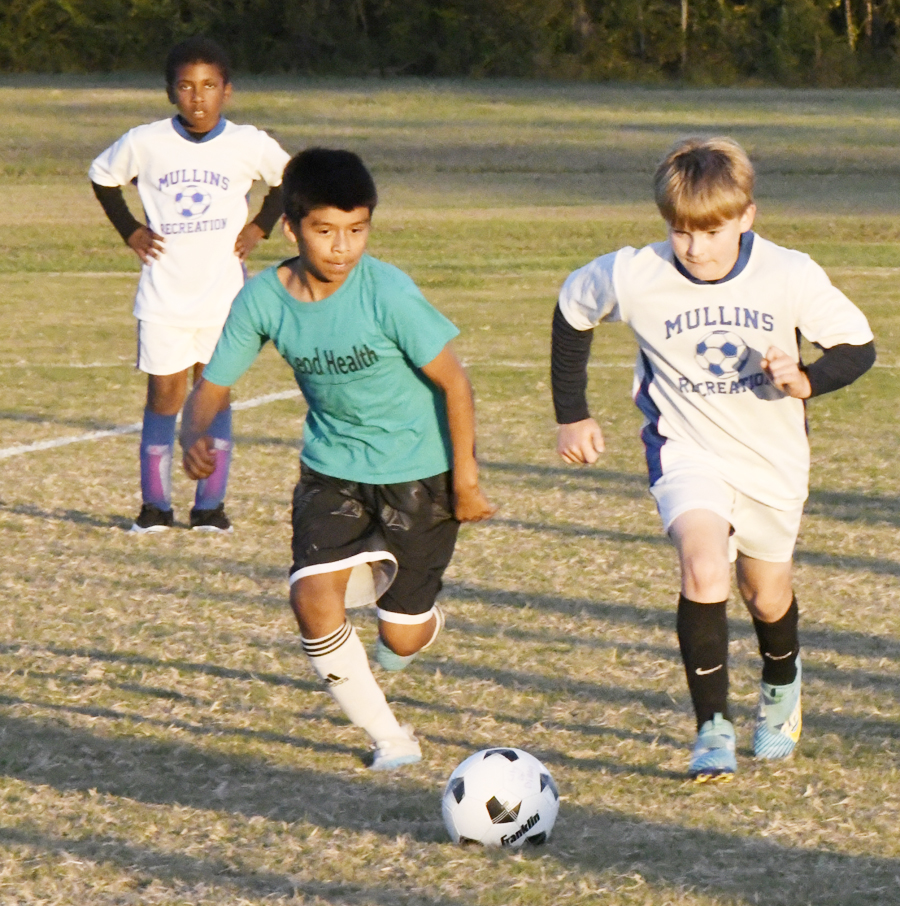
[758,531]
[163,349]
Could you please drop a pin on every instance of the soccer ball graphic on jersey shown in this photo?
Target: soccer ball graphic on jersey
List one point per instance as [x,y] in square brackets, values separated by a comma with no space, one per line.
[722,352]
[500,797]
[192,201]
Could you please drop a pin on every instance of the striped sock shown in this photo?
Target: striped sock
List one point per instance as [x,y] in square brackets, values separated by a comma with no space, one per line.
[211,491]
[340,661]
[157,446]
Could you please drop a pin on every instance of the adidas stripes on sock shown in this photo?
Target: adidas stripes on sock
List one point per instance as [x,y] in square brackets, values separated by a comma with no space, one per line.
[779,645]
[340,661]
[703,639]
[157,446]
[211,491]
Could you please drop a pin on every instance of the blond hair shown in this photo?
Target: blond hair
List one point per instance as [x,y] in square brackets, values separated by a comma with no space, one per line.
[702,182]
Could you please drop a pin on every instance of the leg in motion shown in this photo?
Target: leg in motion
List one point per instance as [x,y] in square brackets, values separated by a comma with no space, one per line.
[340,661]
[767,592]
[701,539]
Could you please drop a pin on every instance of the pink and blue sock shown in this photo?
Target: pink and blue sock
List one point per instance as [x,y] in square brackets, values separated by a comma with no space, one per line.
[157,446]
[211,491]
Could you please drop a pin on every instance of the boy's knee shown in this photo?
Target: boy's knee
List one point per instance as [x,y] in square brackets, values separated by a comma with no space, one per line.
[403,639]
[706,578]
[166,393]
[767,588]
[318,603]
[769,603]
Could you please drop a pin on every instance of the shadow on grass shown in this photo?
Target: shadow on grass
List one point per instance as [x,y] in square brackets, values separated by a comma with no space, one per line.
[45,418]
[131,659]
[79,517]
[581,531]
[608,611]
[260,440]
[878,566]
[194,729]
[74,517]
[854,506]
[837,640]
[146,866]
[601,481]
[706,861]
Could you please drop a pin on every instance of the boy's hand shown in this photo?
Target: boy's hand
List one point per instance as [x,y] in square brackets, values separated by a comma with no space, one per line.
[147,245]
[785,374]
[470,505]
[199,460]
[580,442]
[247,240]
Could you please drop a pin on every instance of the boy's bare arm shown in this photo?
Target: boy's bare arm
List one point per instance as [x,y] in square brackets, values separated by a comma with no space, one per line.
[445,371]
[202,406]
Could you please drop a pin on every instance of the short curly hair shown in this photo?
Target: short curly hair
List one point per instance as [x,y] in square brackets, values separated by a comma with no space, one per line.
[198,49]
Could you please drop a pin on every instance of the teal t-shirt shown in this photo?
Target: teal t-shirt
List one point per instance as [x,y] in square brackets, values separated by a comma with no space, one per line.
[373,416]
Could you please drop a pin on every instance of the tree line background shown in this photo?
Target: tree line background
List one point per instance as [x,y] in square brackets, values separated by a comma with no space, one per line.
[792,42]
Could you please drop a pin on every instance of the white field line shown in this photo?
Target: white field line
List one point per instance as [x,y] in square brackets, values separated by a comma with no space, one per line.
[20,449]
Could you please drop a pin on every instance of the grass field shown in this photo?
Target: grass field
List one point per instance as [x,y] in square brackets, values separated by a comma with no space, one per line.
[162,740]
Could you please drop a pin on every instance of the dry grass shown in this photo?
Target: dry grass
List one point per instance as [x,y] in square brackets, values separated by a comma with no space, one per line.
[162,740]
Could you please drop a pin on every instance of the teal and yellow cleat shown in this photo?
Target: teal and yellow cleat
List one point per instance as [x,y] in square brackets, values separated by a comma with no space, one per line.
[778,720]
[713,757]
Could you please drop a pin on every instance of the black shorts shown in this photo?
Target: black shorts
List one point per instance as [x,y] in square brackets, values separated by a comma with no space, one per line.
[405,532]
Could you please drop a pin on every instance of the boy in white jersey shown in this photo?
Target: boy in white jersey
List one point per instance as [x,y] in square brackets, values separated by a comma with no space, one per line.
[388,468]
[193,173]
[717,313]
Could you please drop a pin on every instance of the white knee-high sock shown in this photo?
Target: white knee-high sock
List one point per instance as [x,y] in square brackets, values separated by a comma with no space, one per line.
[340,660]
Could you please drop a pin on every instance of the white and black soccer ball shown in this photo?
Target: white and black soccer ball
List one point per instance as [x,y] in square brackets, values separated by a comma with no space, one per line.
[500,797]
[192,201]
[722,352]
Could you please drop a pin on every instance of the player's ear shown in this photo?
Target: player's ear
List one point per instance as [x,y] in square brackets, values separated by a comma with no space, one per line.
[747,217]
[170,94]
[226,95]
[289,233]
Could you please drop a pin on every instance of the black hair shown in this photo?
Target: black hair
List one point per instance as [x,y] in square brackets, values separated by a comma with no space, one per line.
[326,178]
[198,49]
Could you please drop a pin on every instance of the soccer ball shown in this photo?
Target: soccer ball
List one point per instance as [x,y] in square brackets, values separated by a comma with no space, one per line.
[500,797]
[192,201]
[722,352]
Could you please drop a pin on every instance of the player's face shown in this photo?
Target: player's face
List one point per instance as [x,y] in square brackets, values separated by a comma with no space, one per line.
[200,93]
[711,254]
[331,242]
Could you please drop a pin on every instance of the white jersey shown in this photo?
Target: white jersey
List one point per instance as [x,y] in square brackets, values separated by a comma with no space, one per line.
[194,195]
[698,379]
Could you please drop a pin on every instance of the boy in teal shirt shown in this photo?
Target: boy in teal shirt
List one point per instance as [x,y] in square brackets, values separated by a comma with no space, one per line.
[387,470]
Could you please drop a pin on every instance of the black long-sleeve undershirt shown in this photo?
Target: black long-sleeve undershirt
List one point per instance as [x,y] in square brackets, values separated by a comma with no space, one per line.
[112,200]
[569,354]
[570,351]
[839,366]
